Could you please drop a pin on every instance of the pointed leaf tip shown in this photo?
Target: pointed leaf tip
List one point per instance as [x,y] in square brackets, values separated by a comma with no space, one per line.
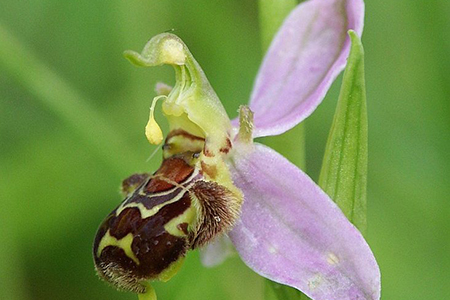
[344,170]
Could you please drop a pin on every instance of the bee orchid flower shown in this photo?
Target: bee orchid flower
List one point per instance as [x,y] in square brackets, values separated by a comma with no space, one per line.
[215,181]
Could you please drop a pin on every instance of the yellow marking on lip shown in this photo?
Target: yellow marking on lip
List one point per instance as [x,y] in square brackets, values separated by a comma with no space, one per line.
[145,212]
[187,217]
[123,243]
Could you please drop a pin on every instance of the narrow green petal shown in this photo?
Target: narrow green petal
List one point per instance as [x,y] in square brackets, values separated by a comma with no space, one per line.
[344,170]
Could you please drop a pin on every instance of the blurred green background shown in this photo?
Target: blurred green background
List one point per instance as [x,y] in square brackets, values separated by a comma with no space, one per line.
[59,177]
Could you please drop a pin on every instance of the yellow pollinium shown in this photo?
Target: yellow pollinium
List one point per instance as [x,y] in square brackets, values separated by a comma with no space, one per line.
[152,130]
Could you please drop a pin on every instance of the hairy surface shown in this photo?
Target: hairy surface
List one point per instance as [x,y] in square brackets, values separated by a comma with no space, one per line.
[219,209]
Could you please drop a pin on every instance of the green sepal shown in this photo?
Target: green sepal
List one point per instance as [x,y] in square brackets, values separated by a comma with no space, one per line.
[344,169]
[192,104]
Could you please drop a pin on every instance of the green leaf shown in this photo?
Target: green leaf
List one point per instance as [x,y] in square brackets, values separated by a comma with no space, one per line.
[344,169]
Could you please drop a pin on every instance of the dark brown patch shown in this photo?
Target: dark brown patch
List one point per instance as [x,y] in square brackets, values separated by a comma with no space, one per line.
[183,227]
[227,148]
[206,152]
[210,170]
[173,169]
[155,248]
[219,211]
[127,221]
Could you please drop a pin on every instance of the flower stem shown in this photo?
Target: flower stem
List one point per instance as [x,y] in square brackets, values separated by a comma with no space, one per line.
[66,102]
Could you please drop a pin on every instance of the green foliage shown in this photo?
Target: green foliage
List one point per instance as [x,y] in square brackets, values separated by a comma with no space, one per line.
[344,169]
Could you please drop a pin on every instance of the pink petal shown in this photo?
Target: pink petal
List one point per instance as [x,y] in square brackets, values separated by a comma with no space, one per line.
[291,232]
[305,57]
